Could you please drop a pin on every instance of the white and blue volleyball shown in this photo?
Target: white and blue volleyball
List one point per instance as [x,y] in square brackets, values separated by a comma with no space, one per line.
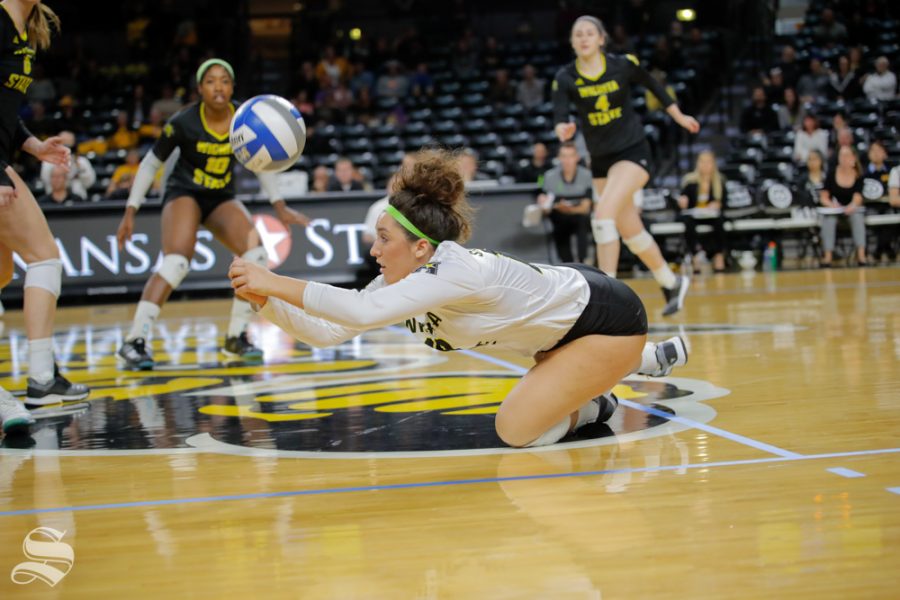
[267,134]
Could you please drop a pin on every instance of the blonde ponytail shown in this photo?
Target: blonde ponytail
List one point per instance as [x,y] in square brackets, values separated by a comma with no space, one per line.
[39,25]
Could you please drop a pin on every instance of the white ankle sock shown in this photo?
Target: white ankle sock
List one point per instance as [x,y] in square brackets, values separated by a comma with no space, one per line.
[40,360]
[665,277]
[588,413]
[240,316]
[649,363]
[144,317]
[553,435]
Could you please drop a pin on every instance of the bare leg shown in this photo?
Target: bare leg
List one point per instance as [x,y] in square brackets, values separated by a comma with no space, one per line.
[24,230]
[180,221]
[564,380]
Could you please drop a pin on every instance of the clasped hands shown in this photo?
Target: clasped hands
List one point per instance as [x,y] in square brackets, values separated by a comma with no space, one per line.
[252,282]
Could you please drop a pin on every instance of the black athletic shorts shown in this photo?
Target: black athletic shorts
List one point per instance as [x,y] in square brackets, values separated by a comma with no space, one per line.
[613,308]
[638,154]
[206,201]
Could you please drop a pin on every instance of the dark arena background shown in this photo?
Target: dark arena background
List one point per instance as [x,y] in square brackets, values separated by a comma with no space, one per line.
[767,466]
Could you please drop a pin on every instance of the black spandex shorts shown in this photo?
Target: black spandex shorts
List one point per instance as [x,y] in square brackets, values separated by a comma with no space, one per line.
[613,308]
[638,154]
[207,202]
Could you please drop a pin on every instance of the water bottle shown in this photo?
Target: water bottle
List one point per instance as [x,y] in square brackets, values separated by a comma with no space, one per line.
[770,257]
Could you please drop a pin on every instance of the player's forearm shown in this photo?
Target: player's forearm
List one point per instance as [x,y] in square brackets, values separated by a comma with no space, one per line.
[286,288]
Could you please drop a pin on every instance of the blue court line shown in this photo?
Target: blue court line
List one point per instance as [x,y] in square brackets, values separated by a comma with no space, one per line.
[895,490]
[734,437]
[850,473]
[445,483]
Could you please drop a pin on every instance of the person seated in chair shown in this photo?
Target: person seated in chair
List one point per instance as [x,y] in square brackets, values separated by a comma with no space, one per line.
[704,188]
[566,200]
[843,190]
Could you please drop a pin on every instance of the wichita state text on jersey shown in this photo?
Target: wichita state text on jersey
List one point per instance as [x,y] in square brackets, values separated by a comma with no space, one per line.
[205,163]
[16,61]
[604,103]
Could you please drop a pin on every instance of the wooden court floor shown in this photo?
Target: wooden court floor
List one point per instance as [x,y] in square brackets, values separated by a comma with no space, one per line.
[768,468]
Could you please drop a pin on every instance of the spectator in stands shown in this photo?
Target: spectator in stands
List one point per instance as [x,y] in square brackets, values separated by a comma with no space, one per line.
[343,180]
[126,172]
[124,138]
[566,199]
[663,57]
[502,90]
[70,118]
[843,82]
[704,188]
[856,61]
[393,83]
[307,80]
[534,171]
[530,90]
[168,104]
[790,69]
[619,42]
[360,77]
[422,84]
[39,123]
[81,173]
[334,102]
[810,137]
[813,85]
[138,105]
[491,54]
[894,188]
[759,116]
[332,69]
[882,84]
[842,137]
[877,169]
[774,84]
[843,190]
[59,192]
[812,181]
[320,180]
[304,104]
[829,30]
[790,111]
[464,61]
[151,129]
[468,167]
[121,189]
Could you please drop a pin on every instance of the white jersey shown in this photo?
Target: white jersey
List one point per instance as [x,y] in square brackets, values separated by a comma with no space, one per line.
[461,299]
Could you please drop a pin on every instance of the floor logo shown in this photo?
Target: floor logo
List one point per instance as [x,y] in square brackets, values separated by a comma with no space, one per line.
[49,558]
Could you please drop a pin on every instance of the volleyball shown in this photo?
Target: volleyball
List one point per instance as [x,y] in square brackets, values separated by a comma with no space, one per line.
[267,134]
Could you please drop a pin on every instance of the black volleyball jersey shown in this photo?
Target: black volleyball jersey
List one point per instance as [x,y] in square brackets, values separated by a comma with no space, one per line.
[205,163]
[604,103]
[16,63]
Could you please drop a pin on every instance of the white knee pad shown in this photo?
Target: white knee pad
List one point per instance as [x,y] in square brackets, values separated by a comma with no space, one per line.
[605,231]
[174,269]
[46,274]
[640,242]
[257,256]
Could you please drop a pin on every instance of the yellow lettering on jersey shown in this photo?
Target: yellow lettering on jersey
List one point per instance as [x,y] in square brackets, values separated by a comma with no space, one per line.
[214,148]
[602,103]
[589,91]
[20,83]
[599,119]
[210,182]
[217,164]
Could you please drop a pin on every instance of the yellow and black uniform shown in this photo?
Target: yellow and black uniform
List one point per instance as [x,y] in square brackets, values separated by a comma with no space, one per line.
[612,130]
[16,63]
[204,170]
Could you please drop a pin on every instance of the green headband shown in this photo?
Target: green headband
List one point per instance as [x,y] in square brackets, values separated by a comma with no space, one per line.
[211,63]
[398,216]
